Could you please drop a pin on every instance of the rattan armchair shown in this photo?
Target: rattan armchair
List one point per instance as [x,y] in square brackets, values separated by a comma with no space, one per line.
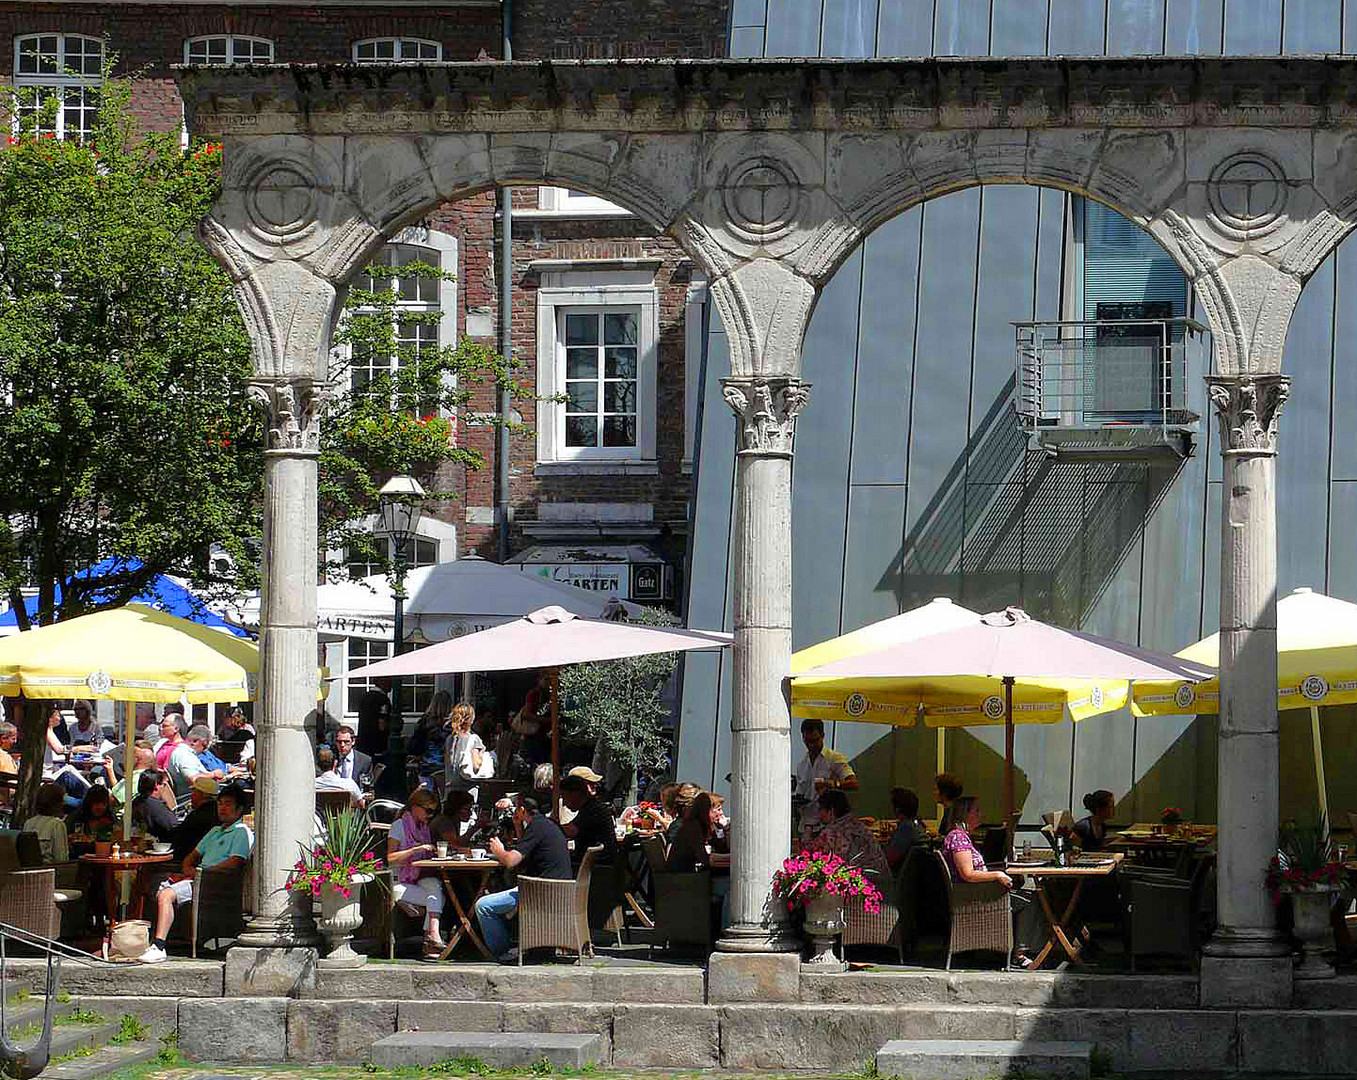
[28,900]
[981,916]
[218,906]
[555,914]
[683,908]
[1167,915]
[883,928]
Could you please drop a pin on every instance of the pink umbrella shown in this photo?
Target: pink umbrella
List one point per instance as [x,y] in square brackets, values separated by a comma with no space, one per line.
[546,638]
[1005,646]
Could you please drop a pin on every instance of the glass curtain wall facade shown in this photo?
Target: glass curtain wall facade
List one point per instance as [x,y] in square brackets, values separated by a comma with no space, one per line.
[911,477]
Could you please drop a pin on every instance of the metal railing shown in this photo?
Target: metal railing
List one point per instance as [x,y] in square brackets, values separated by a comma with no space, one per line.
[25,1063]
[1102,375]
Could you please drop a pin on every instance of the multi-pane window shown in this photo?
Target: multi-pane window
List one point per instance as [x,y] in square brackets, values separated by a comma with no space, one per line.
[421,552]
[392,50]
[228,49]
[415,293]
[572,201]
[66,68]
[416,691]
[600,354]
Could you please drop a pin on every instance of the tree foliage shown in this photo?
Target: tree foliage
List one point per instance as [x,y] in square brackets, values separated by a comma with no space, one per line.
[619,704]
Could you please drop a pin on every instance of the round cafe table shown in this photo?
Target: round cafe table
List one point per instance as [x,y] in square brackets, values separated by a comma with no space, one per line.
[128,862]
[446,869]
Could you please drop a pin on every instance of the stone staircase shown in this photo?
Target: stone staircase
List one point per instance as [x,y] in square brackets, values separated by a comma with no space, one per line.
[87,1044]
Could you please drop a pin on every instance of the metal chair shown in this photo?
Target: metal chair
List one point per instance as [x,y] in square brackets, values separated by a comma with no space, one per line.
[554,913]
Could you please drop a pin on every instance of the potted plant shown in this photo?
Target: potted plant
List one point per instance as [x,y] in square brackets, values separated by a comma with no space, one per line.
[821,884]
[1171,818]
[334,870]
[1305,869]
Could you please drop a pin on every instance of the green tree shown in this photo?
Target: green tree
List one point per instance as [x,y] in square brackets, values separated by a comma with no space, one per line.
[125,428]
[618,705]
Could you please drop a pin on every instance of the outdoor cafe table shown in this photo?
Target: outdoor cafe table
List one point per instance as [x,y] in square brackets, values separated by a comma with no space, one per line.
[126,862]
[1081,869]
[448,869]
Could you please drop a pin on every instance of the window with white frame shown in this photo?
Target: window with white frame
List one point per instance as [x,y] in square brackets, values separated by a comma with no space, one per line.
[597,354]
[67,68]
[396,49]
[228,49]
[416,293]
[416,691]
[569,201]
[422,552]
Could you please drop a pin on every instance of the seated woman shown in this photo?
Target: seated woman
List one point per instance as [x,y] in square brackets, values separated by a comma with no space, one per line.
[457,819]
[688,852]
[1090,833]
[844,835]
[413,888]
[967,864]
[55,765]
[153,807]
[48,825]
[95,817]
[683,801]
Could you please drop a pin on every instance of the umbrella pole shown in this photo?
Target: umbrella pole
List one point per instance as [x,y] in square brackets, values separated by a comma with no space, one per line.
[129,766]
[942,761]
[555,742]
[1008,747]
[1319,765]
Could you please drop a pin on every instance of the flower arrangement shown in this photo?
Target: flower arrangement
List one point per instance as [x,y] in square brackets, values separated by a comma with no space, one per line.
[343,857]
[1171,815]
[644,816]
[1305,859]
[805,876]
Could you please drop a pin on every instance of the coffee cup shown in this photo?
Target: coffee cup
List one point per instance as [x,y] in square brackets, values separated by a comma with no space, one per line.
[478,853]
[442,849]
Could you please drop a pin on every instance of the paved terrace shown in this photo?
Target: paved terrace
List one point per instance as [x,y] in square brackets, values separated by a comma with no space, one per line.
[654,1015]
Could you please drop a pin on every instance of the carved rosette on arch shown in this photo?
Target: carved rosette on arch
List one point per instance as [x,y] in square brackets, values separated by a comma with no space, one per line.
[1248,407]
[292,413]
[766,409]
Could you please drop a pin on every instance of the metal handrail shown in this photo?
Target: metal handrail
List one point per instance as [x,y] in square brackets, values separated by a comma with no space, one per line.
[21,1063]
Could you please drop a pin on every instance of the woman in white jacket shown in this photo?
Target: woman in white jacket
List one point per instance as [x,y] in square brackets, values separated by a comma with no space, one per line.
[467,760]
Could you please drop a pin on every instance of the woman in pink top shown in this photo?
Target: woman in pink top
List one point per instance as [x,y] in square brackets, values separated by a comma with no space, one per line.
[968,865]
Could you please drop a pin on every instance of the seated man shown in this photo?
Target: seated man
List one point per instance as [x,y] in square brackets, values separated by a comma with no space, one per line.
[143,758]
[540,851]
[85,732]
[226,847]
[9,770]
[48,825]
[199,820]
[592,825]
[327,779]
[908,830]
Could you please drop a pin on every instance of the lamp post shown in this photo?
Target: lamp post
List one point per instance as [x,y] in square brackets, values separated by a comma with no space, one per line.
[401,500]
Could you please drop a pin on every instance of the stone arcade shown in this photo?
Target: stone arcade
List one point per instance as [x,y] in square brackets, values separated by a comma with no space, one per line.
[770,173]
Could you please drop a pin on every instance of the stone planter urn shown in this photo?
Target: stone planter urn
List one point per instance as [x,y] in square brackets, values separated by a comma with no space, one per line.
[1310,908]
[340,916]
[824,923]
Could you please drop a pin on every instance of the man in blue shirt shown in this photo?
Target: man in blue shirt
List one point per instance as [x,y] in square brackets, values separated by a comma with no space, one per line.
[226,847]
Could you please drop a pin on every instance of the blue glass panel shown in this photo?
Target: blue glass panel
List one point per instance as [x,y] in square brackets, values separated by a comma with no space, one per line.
[1312,26]
[849,28]
[961,28]
[1193,28]
[1135,27]
[1252,27]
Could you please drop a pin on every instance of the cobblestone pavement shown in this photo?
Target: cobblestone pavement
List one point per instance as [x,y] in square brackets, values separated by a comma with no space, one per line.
[349,1072]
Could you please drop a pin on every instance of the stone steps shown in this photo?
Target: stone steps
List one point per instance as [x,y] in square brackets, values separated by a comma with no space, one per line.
[107,1057]
[498,1050]
[975,1059]
[105,1061]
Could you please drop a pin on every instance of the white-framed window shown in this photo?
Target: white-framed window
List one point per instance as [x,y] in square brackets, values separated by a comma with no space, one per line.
[228,49]
[416,690]
[597,351]
[415,294]
[395,49]
[423,551]
[569,201]
[68,67]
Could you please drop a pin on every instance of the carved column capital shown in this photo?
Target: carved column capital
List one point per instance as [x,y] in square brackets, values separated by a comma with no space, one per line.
[1248,408]
[292,410]
[766,408]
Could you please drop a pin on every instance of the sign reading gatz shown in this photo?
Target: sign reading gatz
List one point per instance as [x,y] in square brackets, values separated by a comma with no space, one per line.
[645,581]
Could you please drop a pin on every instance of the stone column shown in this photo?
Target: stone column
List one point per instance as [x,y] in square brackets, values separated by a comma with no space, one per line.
[285,802]
[1246,961]
[761,762]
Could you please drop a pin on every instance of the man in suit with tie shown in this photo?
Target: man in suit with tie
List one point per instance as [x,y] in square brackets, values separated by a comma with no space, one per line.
[351,764]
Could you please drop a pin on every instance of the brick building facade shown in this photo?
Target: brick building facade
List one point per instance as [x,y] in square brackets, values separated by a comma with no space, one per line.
[575,258]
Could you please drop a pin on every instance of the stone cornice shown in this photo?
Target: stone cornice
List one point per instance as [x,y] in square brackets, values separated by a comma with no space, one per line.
[735,95]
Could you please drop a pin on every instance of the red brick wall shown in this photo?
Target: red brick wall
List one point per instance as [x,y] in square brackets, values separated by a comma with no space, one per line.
[149,38]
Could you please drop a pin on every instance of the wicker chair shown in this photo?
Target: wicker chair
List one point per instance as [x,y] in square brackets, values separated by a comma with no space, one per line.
[28,900]
[331,802]
[555,913]
[683,903]
[1166,914]
[981,916]
[218,909]
[883,928]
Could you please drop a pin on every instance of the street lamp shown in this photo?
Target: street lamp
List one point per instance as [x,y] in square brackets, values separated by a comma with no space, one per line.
[400,501]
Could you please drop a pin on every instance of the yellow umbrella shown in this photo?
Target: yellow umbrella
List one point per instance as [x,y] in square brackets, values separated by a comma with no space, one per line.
[1316,665]
[131,653]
